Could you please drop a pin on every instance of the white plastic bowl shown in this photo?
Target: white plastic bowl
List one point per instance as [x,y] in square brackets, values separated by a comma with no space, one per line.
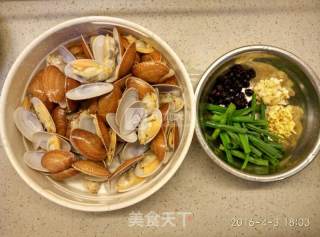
[15,85]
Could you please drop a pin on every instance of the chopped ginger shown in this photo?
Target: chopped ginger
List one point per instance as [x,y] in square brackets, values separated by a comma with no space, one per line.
[281,120]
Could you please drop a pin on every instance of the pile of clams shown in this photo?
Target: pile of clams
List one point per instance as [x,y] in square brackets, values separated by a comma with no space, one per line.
[103,109]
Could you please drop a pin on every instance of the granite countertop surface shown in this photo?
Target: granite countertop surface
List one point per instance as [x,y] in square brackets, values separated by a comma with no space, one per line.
[214,202]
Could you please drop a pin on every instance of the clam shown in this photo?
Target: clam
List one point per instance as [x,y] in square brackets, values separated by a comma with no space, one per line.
[141,46]
[126,165]
[173,136]
[152,72]
[131,150]
[128,181]
[87,91]
[57,160]
[54,84]
[147,94]
[109,103]
[148,166]
[64,174]
[104,50]
[159,145]
[111,120]
[72,105]
[36,89]
[88,70]
[43,114]
[149,127]
[27,122]
[88,144]
[33,160]
[91,168]
[50,141]
[59,117]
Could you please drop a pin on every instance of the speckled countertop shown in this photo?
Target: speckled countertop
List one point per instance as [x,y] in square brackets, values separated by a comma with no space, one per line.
[217,204]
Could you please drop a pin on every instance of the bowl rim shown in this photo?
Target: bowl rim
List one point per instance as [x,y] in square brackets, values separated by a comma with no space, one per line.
[205,77]
[62,200]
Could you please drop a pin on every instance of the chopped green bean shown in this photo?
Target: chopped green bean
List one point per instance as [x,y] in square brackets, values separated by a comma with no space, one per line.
[225,127]
[253,106]
[231,108]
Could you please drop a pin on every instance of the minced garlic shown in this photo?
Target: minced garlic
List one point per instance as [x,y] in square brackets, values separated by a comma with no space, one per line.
[281,120]
[271,92]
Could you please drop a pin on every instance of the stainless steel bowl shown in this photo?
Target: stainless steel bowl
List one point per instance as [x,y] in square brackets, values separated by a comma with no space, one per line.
[306,85]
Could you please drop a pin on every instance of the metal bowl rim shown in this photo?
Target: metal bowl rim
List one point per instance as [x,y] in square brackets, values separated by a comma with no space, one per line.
[204,78]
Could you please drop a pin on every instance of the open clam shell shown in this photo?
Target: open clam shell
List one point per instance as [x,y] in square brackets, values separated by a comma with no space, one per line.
[126,165]
[67,56]
[71,105]
[132,117]
[86,122]
[109,102]
[65,174]
[147,94]
[27,122]
[91,168]
[149,127]
[54,84]
[141,45]
[173,137]
[129,97]
[101,130]
[152,72]
[59,117]
[87,91]
[57,160]
[47,141]
[88,144]
[159,145]
[127,61]
[112,146]
[128,181]
[165,109]
[43,114]
[33,160]
[88,70]
[176,102]
[86,49]
[111,120]
[131,150]
[36,89]
[148,166]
